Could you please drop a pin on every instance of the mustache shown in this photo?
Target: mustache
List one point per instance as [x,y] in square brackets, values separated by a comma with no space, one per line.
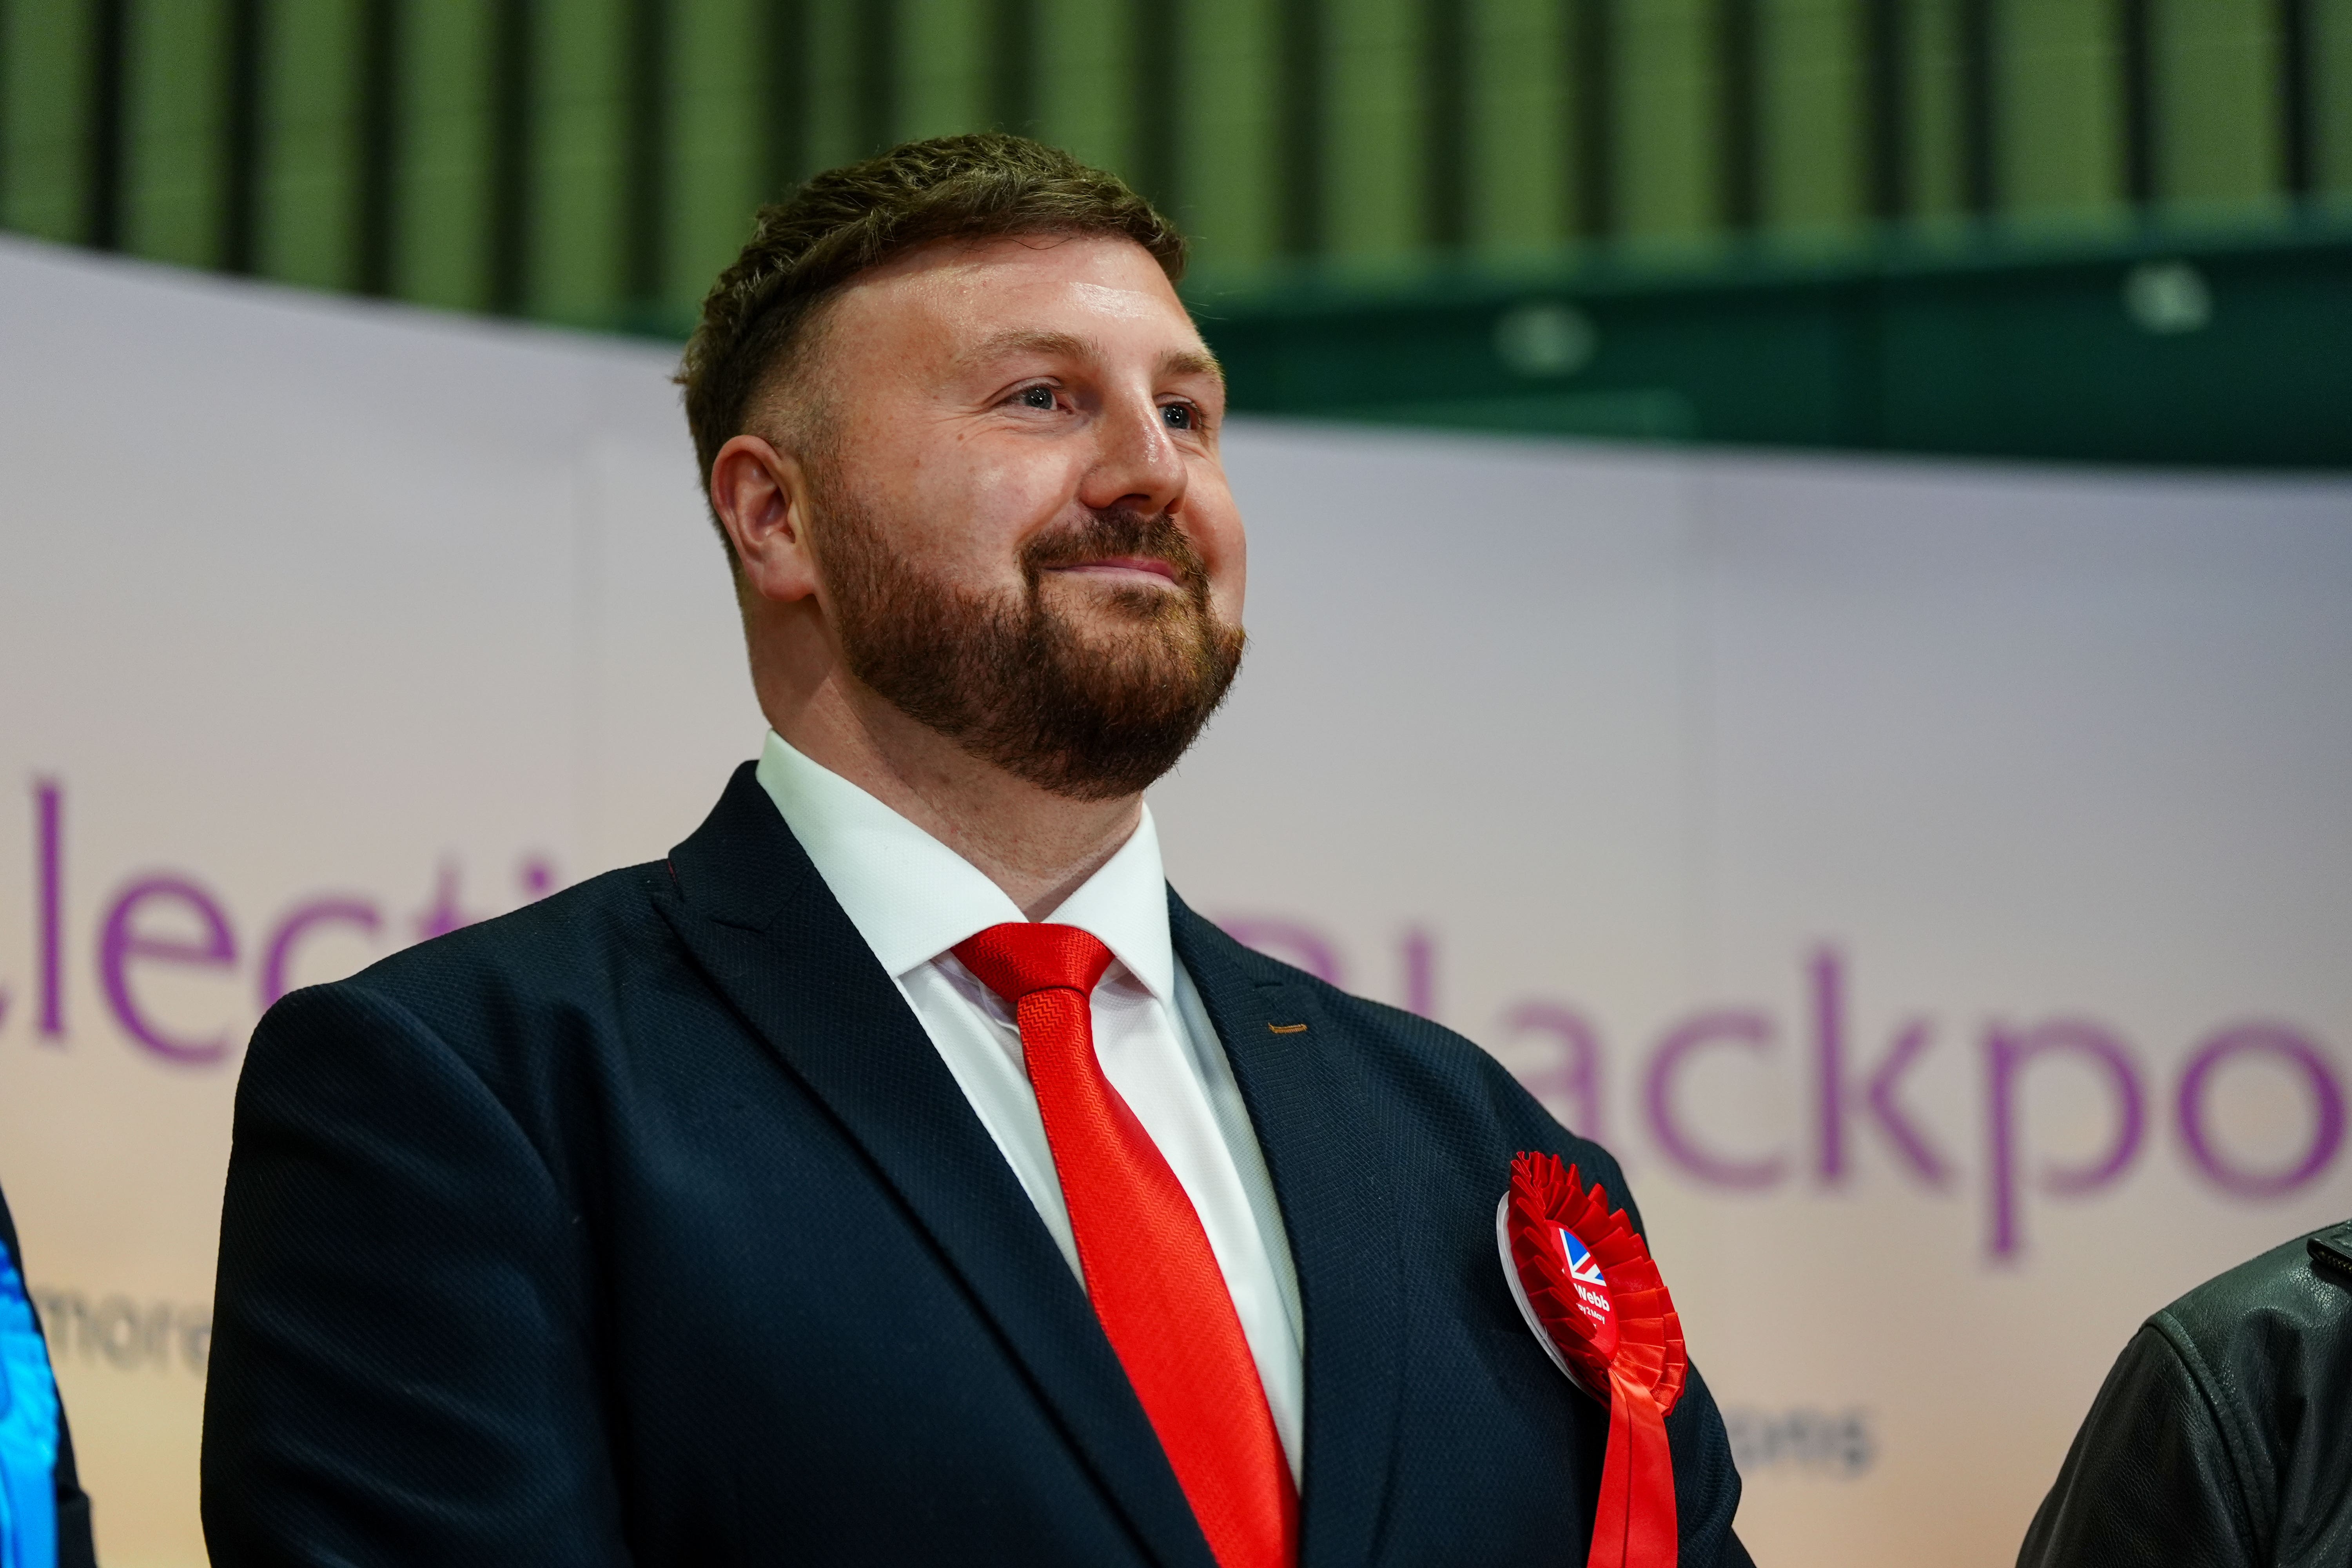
[1119,530]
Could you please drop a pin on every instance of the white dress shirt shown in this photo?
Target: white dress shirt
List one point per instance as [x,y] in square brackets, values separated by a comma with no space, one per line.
[912,899]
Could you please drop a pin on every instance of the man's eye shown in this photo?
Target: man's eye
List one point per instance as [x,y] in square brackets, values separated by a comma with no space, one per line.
[1180,415]
[1037,398]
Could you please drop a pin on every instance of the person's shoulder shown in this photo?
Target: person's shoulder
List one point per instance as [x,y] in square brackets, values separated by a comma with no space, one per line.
[568,951]
[1443,1080]
[2277,1304]
[2269,1346]
[2223,1433]
[566,936]
[2281,1291]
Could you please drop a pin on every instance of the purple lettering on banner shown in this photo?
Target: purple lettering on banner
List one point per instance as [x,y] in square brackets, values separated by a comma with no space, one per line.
[2327,1100]
[1420,973]
[2007,1056]
[444,916]
[51,801]
[1750,1030]
[1290,940]
[538,878]
[121,942]
[1578,1076]
[290,931]
[1836,1094]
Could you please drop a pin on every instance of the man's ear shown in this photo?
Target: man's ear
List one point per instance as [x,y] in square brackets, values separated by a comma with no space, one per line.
[760,495]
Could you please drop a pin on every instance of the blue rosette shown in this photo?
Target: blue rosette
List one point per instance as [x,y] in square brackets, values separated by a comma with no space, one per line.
[28,1432]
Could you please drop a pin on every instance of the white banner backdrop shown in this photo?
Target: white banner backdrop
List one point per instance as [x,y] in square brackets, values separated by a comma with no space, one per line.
[1934,880]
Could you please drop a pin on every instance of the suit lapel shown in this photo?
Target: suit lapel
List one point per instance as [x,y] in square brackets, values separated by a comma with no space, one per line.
[1315,1127]
[771,937]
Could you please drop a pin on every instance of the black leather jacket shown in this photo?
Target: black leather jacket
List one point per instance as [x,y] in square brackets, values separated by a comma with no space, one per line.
[2223,1437]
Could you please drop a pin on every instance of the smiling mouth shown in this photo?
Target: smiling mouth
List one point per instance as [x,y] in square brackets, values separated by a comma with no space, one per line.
[1124,568]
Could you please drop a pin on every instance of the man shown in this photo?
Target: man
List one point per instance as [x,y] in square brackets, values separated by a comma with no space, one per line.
[43,1516]
[899,1172]
[2223,1437]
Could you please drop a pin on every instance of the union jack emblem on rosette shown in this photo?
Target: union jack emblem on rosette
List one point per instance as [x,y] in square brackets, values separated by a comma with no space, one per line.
[1584,1282]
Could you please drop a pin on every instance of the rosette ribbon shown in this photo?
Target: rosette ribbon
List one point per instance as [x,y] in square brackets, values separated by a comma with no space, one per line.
[1584,1282]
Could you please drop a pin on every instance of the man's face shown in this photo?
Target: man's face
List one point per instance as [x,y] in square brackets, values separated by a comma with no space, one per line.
[1021,526]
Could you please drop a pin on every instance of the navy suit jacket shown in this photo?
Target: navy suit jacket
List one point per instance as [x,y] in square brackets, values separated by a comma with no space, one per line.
[644,1226]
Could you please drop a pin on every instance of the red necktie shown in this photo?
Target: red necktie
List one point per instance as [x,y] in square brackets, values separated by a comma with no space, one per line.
[1154,1283]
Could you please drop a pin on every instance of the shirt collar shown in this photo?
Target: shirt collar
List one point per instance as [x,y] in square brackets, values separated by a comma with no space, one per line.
[912,898]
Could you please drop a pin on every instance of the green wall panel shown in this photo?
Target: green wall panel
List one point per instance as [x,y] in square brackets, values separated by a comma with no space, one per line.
[2033,359]
[1519,136]
[1666,120]
[1086,80]
[173,186]
[1228,95]
[2060,163]
[2332,67]
[1932,123]
[1812,115]
[577,126]
[2046,363]
[44,99]
[445,143]
[832,110]
[1373,135]
[616,233]
[2217,148]
[716,106]
[1574,154]
[309,163]
[943,80]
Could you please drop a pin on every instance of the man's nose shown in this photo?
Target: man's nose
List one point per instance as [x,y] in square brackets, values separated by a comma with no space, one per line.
[1137,463]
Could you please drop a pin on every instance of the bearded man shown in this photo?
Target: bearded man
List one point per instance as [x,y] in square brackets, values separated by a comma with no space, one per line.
[900,1172]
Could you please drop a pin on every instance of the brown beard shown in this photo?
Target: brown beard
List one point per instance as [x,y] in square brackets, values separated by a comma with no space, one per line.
[1012,681]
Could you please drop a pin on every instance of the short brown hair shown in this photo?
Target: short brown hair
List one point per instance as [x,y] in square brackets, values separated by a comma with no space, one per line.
[803,251]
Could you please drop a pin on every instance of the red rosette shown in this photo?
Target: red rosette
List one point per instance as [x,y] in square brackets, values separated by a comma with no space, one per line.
[1585,1283]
